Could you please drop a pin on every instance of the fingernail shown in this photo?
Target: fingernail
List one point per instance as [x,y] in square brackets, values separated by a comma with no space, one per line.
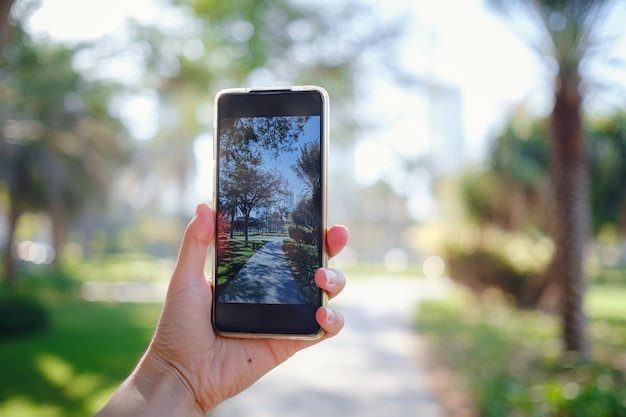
[198,208]
[331,316]
[331,277]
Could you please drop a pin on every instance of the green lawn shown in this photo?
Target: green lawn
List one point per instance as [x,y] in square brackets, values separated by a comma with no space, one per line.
[236,256]
[510,361]
[71,369]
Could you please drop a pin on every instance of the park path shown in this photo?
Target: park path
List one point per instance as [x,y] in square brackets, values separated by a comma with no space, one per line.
[369,370]
[265,279]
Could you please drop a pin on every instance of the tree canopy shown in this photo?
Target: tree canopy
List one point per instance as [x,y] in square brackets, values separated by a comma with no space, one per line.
[58,145]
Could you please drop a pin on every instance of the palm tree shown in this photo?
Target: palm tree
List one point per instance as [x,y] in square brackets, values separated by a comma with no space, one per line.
[568,32]
[308,168]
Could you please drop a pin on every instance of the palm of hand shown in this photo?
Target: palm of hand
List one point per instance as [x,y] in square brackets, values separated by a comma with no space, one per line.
[212,367]
[215,367]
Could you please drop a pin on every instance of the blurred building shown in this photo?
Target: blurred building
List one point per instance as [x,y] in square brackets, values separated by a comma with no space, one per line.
[380,214]
[445,129]
[289,201]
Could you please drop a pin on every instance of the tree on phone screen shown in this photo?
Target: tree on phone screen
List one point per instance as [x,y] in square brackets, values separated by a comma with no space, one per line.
[246,182]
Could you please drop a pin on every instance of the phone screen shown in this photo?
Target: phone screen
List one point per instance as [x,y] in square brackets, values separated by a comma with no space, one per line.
[270,211]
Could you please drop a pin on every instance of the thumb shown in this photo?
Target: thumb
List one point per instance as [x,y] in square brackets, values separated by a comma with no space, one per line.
[193,250]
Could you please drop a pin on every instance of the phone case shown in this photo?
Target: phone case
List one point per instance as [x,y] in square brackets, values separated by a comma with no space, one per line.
[254,310]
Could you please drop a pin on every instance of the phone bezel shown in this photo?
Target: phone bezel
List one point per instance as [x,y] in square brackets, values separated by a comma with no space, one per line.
[271,320]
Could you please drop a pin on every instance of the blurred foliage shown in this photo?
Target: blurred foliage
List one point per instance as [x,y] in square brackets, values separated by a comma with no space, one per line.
[512,192]
[213,45]
[21,315]
[510,363]
[302,259]
[518,175]
[71,110]
[607,155]
[57,132]
[506,244]
[486,256]
[59,147]
[481,270]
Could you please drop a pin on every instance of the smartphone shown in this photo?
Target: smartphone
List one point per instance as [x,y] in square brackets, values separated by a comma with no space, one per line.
[271,149]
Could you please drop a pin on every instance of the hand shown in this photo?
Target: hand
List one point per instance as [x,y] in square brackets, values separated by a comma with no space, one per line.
[188,369]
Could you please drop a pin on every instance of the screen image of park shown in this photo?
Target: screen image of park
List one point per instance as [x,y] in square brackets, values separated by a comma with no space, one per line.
[269,210]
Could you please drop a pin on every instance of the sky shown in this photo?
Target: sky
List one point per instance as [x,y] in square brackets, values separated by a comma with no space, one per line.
[76,20]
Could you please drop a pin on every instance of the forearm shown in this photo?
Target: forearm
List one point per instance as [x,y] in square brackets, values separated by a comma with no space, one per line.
[152,390]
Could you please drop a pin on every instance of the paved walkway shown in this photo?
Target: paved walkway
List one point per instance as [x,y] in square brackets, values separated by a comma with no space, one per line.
[265,279]
[368,370]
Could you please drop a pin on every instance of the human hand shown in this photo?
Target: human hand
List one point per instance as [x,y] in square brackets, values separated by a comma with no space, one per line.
[188,368]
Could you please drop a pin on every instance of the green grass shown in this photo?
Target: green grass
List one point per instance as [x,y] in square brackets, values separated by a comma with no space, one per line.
[511,362]
[123,267]
[71,369]
[606,302]
[237,256]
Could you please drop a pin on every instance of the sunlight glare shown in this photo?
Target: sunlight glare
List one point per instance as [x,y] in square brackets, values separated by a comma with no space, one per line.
[203,152]
[396,260]
[139,112]
[433,267]
[371,160]
[89,19]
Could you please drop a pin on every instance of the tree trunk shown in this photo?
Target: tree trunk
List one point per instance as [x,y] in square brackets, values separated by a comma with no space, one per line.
[245,226]
[59,234]
[56,210]
[570,217]
[5,9]
[232,222]
[9,263]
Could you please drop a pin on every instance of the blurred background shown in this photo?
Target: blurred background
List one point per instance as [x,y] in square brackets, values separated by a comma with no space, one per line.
[443,130]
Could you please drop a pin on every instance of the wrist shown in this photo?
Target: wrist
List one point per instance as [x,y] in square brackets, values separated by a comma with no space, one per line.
[168,387]
[154,389]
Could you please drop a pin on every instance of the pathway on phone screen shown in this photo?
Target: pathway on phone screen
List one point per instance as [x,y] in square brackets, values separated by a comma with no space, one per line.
[369,369]
[265,279]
